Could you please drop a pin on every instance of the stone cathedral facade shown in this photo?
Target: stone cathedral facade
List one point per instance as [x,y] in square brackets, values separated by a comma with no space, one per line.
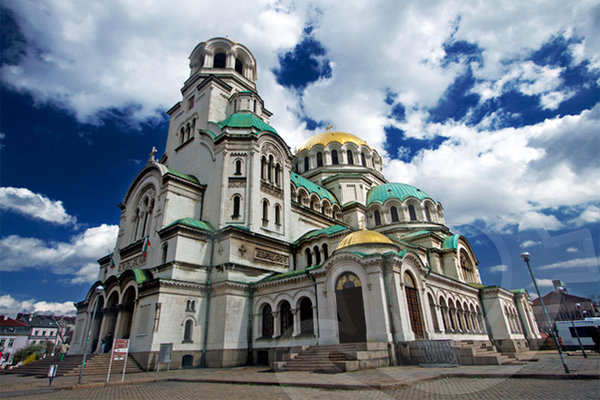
[237,250]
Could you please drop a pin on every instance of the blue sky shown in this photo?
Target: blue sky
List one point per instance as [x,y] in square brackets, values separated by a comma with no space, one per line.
[492,109]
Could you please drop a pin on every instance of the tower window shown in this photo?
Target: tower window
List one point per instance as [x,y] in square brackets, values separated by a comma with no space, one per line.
[270,170]
[277,215]
[238,167]
[325,251]
[265,212]
[191,103]
[219,60]
[236,206]
[350,157]
[317,255]
[427,214]
[334,157]
[377,218]
[319,159]
[187,333]
[306,164]
[165,250]
[412,213]
[394,212]
[238,65]
[308,257]
[254,107]
[263,167]
[363,159]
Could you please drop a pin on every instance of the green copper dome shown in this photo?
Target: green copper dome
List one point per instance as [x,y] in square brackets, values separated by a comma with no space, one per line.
[401,191]
[245,119]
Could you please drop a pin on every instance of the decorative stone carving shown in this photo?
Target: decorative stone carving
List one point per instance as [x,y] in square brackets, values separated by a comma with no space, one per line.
[271,257]
[132,263]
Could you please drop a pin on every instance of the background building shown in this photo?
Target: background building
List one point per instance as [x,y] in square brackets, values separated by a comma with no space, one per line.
[561,307]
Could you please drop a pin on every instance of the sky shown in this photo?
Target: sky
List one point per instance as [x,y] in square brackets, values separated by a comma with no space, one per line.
[492,108]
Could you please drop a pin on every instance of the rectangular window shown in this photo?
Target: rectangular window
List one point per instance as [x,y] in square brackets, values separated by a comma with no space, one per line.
[10,343]
[191,103]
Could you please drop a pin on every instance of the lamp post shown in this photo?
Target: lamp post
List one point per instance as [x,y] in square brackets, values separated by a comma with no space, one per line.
[99,289]
[526,257]
[563,291]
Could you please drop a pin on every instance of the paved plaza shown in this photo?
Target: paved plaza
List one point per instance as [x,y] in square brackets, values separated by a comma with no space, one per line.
[543,378]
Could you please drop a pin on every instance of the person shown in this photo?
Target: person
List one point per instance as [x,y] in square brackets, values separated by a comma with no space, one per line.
[63,350]
[107,342]
[596,338]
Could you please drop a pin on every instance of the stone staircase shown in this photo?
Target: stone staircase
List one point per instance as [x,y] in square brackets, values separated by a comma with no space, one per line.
[96,364]
[481,352]
[334,358]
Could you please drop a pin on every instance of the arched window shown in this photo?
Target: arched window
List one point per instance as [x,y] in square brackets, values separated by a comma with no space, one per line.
[350,157]
[319,159]
[334,157]
[270,169]
[263,167]
[286,319]
[238,66]
[193,305]
[182,135]
[265,212]
[444,311]
[236,206]
[308,257]
[238,167]
[277,215]
[427,214]
[305,163]
[325,251]
[165,250]
[187,332]
[363,160]
[412,213]
[377,218]
[394,212]
[267,321]
[317,255]
[278,174]
[254,106]
[219,60]
[436,326]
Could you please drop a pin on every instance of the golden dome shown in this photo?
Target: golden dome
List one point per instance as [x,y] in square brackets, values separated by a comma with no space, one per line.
[364,237]
[329,137]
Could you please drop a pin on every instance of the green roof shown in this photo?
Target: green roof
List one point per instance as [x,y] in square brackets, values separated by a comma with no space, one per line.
[451,242]
[330,230]
[288,274]
[245,119]
[311,187]
[183,176]
[192,223]
[413,234]
[382,193]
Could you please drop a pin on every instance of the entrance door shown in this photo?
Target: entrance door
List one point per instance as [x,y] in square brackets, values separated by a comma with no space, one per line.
[350,309]
[414,311]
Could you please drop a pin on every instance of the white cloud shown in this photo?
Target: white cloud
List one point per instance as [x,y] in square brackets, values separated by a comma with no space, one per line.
[34,205]
[543,283]
[76,258]
[590,214]
[572,250]
[530,243]
[499,268]
[589,262]
[11,306]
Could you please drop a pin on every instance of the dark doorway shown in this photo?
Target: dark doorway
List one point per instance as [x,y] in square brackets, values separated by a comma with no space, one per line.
[262,357]
[350,309]
[187,361]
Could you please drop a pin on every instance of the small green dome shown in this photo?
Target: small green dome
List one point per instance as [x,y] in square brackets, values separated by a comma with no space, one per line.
[245,119]
[401,191]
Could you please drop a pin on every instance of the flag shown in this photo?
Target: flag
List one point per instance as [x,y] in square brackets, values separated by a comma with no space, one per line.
[112,262]
[146,245]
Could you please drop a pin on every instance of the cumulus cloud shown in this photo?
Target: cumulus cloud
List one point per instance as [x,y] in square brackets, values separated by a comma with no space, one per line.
[76,258]
[499,268]
[11,306]
[543,283]
[34,205]
[572,250]
[589,262]
[530,243]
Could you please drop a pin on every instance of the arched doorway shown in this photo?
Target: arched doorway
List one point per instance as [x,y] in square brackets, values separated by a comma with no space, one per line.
[350,309]
[412,300]
[126,313]
[306,316]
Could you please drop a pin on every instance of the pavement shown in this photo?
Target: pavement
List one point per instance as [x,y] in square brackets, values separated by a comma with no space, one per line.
[545,366]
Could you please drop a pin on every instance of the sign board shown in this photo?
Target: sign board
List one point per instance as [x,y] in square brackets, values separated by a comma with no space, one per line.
[165,354]
[119,352]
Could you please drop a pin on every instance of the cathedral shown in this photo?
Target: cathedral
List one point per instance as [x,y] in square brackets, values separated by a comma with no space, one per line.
[236,250]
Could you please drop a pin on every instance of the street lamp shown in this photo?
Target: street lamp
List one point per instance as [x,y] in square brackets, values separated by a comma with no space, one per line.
[99,289]
[526,257]
[563,291]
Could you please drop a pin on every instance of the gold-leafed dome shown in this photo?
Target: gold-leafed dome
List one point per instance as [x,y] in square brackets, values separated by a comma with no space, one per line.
[364,237]
[329,137]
